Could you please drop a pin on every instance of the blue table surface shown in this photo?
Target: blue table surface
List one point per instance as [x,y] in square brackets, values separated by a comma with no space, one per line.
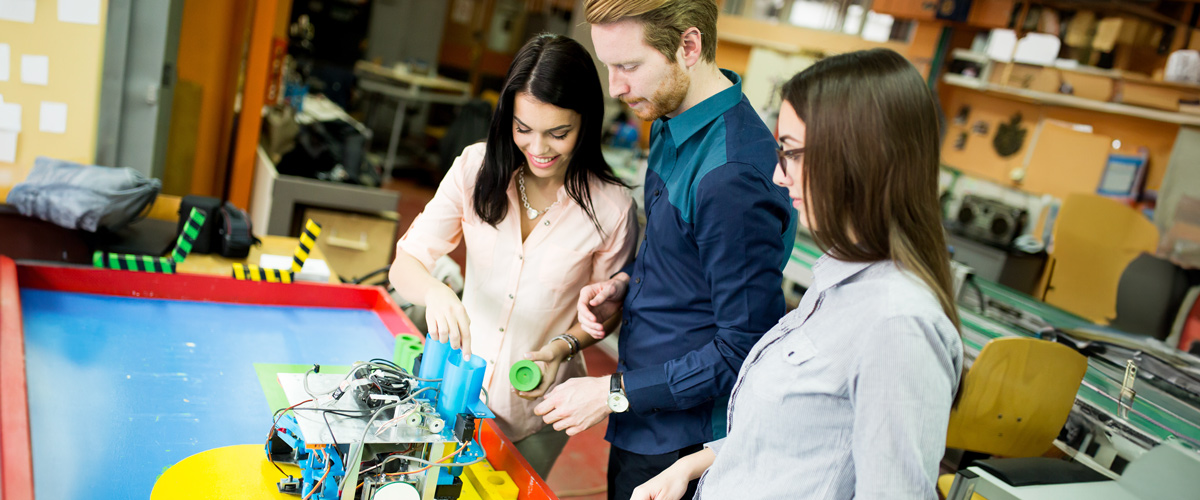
[122,388]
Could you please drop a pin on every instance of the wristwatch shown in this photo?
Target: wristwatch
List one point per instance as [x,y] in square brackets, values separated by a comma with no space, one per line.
[617,402]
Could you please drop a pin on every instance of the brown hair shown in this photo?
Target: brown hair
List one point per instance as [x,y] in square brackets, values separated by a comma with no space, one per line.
[663,21]
[871,164]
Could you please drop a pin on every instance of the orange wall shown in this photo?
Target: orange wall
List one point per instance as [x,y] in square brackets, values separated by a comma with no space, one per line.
[210,54]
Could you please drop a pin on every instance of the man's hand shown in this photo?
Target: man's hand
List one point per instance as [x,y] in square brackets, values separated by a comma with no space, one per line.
[549,358]
[598,302]
[576,405]
[447,319]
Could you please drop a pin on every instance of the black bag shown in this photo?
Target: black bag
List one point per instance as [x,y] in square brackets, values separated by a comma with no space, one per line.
[234,234]
[226,229]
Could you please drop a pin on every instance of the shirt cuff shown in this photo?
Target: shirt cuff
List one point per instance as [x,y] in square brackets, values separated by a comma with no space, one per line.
[647,390]
[715,446]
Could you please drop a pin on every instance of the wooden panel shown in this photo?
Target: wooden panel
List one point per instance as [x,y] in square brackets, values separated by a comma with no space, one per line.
[990,13]
[787,38]
[733,56]
[210,53]
[980,159]
[907,9]
[181,140]
[1095,238]
[258,71]
[1065,161]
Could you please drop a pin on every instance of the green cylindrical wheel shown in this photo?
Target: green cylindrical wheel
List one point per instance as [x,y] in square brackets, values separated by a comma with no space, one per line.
[525,375]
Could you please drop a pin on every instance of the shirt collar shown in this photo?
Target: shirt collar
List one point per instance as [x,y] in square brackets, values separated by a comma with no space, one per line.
[829,272]
[689,122]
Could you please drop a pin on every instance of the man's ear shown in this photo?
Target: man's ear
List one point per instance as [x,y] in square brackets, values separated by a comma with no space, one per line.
[690,48]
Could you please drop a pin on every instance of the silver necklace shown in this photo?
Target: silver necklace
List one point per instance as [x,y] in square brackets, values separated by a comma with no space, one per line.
[529,211]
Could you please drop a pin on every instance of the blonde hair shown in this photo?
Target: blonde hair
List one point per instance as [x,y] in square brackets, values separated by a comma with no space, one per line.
[663,21]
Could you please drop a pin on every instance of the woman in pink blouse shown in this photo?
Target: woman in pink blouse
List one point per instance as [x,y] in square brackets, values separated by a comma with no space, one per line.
[542,215]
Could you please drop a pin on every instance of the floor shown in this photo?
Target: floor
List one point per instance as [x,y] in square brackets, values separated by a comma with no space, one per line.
[581,469]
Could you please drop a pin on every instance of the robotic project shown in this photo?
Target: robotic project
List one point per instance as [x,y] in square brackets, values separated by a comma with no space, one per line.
[380,432]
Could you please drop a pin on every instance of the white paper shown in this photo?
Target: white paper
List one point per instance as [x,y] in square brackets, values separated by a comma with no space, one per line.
[8,147]
[35,70]
[79,11]
[10,117]
[5,61]
[54,117]
[21,11]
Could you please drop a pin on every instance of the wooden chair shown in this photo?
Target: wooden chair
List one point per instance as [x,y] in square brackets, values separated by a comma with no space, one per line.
[1015,399]
[1095,238]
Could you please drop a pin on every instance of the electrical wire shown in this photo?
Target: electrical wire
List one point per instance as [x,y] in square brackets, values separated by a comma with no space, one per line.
[328,467]
[274,425]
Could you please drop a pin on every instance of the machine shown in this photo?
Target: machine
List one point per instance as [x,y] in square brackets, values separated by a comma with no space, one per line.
[380,432]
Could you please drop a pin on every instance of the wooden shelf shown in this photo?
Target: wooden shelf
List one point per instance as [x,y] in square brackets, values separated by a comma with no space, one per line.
[1070,101]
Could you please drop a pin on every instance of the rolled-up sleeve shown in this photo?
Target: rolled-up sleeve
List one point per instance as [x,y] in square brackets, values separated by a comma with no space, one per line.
[740,223]
[617,250]
[438,229]
[901,392]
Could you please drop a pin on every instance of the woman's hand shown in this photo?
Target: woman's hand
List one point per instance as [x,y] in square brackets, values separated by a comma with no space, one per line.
[447,319]
[549,358]
[599,301]
[670,484]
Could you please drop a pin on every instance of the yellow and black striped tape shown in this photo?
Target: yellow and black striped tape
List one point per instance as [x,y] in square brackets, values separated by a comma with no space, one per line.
[308,238]
[251,272]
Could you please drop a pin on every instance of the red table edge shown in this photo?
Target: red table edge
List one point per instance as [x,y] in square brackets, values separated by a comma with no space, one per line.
[16,459]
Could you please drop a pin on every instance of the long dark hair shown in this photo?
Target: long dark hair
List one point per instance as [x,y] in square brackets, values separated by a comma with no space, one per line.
[871,164]
[555,70]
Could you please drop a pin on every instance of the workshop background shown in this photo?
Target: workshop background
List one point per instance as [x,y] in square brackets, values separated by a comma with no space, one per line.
[1070,176]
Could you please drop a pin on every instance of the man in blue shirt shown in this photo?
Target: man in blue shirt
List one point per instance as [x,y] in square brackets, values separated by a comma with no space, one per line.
[706,282]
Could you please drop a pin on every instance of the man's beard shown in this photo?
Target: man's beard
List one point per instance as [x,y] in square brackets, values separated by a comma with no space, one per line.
[666,99]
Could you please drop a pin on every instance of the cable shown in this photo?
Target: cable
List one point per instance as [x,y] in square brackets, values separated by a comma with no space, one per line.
[274,425]
[328,467]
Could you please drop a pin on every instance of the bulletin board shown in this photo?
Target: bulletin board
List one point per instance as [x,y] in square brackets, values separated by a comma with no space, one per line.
[68,37]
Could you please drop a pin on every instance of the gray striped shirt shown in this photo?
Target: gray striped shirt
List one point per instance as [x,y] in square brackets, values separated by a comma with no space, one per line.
[848,396]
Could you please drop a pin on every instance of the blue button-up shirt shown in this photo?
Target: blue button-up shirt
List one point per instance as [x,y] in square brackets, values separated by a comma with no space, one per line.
[706,283]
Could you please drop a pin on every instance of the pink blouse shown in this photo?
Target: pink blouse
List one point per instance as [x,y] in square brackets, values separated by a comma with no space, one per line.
[519,295]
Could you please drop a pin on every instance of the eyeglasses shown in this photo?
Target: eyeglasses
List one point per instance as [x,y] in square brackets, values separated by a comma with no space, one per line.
[786,155]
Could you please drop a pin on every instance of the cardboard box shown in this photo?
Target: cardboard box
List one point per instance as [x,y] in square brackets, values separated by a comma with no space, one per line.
[356,244]
[1027,76]
[1089,84]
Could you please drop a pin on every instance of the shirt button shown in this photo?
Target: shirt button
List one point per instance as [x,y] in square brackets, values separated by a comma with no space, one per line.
[510,295]
[520,257]
[501,329]
[545,223]
[655,192]
[625,322]
[637,280]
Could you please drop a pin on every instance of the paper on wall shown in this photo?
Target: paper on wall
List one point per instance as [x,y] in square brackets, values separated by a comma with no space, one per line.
[5,61]
[21,11]
[79,11]
[53,117]
[8,147]
[35,70]
[10,117]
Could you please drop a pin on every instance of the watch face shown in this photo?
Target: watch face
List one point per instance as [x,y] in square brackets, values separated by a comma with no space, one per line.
[617,403]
